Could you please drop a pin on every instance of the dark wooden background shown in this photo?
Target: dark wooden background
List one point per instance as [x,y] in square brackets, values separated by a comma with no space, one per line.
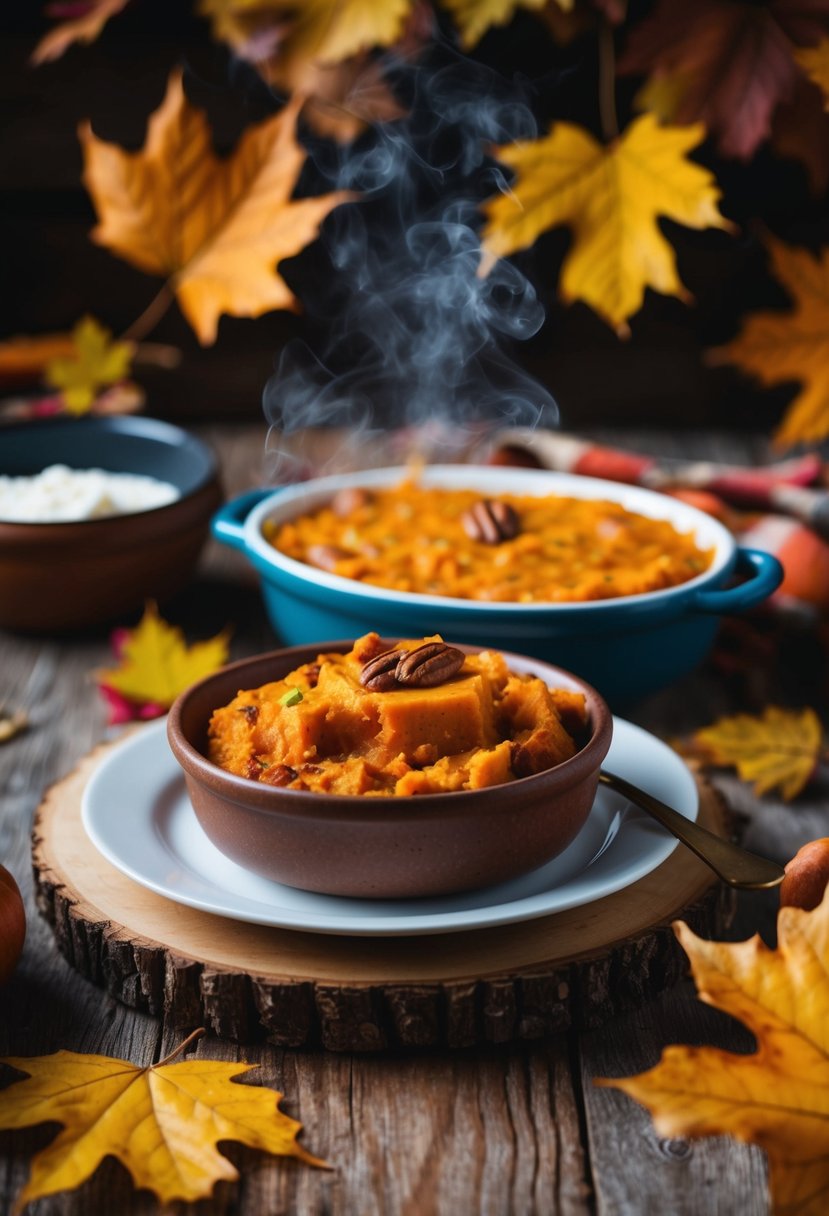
[52,274]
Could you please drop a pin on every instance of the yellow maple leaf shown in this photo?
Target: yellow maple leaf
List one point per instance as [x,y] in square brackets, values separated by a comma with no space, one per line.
[777,1098]
[779,346]
[777,749]
[85,27]
[332,30]
[474,17]
[214,228]
[611,197]
[322,31]
[815,63]
[162,1122]
[157,664]
[95,362]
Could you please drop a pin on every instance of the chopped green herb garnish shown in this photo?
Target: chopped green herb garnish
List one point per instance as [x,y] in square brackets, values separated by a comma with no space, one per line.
[292,697]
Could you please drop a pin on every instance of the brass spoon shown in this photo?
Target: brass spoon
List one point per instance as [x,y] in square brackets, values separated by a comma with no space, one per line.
[734,865]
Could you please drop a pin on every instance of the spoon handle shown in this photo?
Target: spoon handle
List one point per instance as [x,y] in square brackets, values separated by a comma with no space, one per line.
[734,865]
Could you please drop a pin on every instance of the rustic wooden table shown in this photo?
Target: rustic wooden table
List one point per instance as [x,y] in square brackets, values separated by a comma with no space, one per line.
[513,1129]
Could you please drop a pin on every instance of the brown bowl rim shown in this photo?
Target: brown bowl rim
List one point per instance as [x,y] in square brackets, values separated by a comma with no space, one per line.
[351,806]
[32,531]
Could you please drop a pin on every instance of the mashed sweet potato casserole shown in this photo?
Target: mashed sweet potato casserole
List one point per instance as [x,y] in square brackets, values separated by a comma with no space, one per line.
[421,718]
[511,549]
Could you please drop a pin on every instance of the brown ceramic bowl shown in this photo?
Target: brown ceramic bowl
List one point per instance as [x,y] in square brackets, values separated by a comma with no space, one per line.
[383,847]
[64,576]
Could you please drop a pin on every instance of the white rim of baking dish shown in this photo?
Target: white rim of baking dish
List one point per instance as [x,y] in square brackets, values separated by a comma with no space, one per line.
[292,500]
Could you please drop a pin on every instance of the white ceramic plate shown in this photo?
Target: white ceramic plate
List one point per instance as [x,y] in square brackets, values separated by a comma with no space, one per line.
[137,813]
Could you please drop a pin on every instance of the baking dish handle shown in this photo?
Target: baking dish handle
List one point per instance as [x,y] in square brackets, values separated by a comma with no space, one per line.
[764,575]
[228,524]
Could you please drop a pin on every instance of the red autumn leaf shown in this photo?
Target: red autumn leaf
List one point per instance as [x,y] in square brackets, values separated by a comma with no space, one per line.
[730,63]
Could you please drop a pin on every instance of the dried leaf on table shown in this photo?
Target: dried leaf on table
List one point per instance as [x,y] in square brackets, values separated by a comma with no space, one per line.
[84,21]
[96,362]
[612,198]
[216,229]
[726,63]
[778,1096]
[778,749]
[475,17]
[156,664]
[782,346]
[163,1122]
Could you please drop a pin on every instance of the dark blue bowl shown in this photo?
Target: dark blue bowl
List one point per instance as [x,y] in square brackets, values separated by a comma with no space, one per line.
[625,647]
[118,444]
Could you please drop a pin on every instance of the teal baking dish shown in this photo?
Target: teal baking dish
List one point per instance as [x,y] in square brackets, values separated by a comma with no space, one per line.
[626,647]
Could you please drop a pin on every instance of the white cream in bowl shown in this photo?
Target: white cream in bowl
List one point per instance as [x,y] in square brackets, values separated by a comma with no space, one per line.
[59,494]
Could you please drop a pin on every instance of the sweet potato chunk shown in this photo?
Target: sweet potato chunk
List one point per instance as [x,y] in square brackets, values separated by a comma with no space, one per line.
[321,729]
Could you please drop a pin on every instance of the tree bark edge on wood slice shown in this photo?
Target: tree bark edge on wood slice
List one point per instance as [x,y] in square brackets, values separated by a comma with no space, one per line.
[244,1004]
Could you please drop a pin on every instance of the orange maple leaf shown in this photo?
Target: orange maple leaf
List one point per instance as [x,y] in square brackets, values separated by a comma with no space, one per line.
[611,197]
[215,229]
[162,1122]
[791,346]
[778,1097]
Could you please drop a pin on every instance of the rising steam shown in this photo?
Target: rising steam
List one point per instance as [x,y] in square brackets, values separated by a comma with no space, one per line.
[408,339]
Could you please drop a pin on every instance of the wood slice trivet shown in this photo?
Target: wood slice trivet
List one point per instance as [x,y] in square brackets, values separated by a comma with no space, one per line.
[245,982]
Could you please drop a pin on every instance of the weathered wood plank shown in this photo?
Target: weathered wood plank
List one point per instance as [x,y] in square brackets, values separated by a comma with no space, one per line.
[491,1130]
[634,1169]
